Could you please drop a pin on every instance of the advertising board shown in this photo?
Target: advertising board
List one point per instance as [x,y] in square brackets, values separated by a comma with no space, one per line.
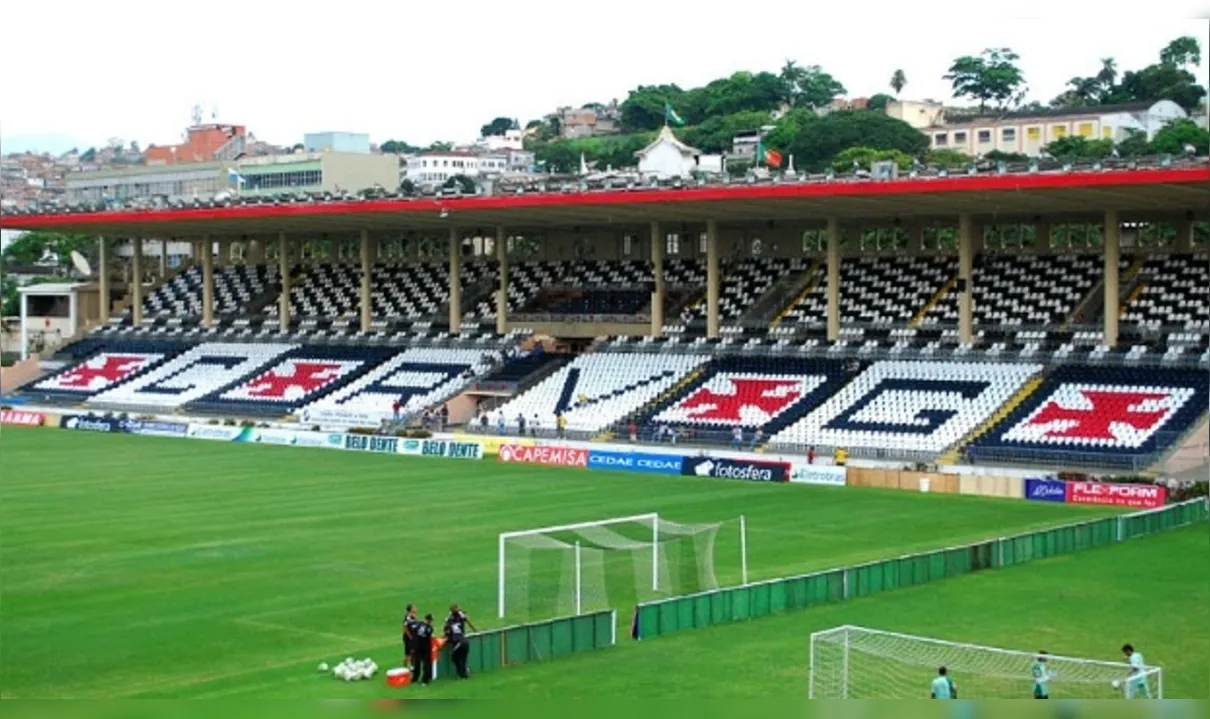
[728,468]
[828,474]
[1140,496]
[441,448]
[84,423]
[372,443]
[552,456]
[21,418]
[635,462]
[1045,490]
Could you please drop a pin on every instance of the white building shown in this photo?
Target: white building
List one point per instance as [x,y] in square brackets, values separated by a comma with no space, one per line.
[1028,133]
[428,169]
[668,157]
[510,140]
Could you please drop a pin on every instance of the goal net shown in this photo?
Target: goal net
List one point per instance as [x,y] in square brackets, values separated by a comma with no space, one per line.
[576,568]
[857,663]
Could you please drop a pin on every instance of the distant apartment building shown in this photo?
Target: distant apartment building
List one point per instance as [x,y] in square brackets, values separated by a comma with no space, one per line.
[510,140]
[1027,133]
[264,175]
[336,142]
[203,143]
[589,121]
[433,168]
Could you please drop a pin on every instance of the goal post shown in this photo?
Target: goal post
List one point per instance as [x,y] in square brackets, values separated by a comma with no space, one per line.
[587,566]
[851,662]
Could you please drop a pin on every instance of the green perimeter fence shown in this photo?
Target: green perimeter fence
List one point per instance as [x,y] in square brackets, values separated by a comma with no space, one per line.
[536,642]
[750,601]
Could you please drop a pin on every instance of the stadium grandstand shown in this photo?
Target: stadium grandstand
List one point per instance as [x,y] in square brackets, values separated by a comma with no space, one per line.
[1043,315]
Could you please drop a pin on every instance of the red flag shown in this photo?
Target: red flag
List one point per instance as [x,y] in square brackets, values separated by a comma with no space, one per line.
[772,158]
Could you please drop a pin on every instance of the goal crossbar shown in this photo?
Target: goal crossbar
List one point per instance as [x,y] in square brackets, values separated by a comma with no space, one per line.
[652,517]
[963,645]
[851,635]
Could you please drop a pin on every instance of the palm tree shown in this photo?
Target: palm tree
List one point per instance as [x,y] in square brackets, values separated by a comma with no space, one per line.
[898,81]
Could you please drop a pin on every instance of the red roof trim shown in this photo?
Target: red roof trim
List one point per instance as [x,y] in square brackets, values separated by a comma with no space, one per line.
[722,193]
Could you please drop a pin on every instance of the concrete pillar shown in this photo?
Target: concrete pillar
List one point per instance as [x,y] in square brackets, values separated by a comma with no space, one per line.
[455,281]
[712,278]
[102,277]
[207,282]
[163,259]
[255,252]
[966,261]
[367,269]
[1042,237]
[833,284]
[915,240]
[24,326]
[502,290]
[283,268]
[1184,236]
[658,296]
[1113,249]
[136,280]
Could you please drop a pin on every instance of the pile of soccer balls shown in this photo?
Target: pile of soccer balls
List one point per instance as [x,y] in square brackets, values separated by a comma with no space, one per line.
[352,670]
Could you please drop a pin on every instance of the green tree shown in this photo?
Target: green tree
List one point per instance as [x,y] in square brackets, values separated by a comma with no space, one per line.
[89,155]
[814,140]
[465,184]
[498,126]
[898,81]
[865,157]
[992,78]
[32,247]
[1135,144]
[397,147]
[1182,52]
[879,102]
[1168,79]
[643,108]
[717,133]
[1075,147]
[808,87]
[1174,137]
[947,158]
[440,147]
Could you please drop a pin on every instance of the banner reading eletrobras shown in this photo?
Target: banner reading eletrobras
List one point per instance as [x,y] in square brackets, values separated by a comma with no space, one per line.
[826,474]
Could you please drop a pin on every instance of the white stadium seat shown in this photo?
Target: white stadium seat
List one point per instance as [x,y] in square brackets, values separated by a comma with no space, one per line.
[916,406]
[614,385]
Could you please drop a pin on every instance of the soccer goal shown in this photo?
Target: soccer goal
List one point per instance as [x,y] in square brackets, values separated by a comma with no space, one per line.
[585,567]
[858,663]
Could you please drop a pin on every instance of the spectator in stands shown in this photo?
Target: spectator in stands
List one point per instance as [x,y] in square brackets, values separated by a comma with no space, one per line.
[396,408]
[839,456]
[500,423]
[534,424]
[737,438]
[521,425]
[581,400]
[634,431]
[757,436]
[561,426]
[811,455]
[483,422]
[445,416]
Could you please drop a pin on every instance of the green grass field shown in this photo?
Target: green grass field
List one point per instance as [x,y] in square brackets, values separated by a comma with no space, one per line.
[147,567]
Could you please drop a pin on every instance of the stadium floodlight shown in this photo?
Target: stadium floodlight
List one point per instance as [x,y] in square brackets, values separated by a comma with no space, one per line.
[852,662]
[576,568]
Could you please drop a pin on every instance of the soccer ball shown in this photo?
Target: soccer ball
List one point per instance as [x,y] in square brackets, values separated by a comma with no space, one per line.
[1116,684]
[323,667]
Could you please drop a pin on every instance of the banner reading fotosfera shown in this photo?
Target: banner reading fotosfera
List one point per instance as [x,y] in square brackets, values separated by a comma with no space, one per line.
[818,474]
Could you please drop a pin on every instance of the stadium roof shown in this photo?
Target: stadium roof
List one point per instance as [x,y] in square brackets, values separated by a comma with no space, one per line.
[1142,191]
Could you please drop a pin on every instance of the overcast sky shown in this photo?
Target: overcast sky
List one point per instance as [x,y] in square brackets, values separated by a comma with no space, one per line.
[80,72]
